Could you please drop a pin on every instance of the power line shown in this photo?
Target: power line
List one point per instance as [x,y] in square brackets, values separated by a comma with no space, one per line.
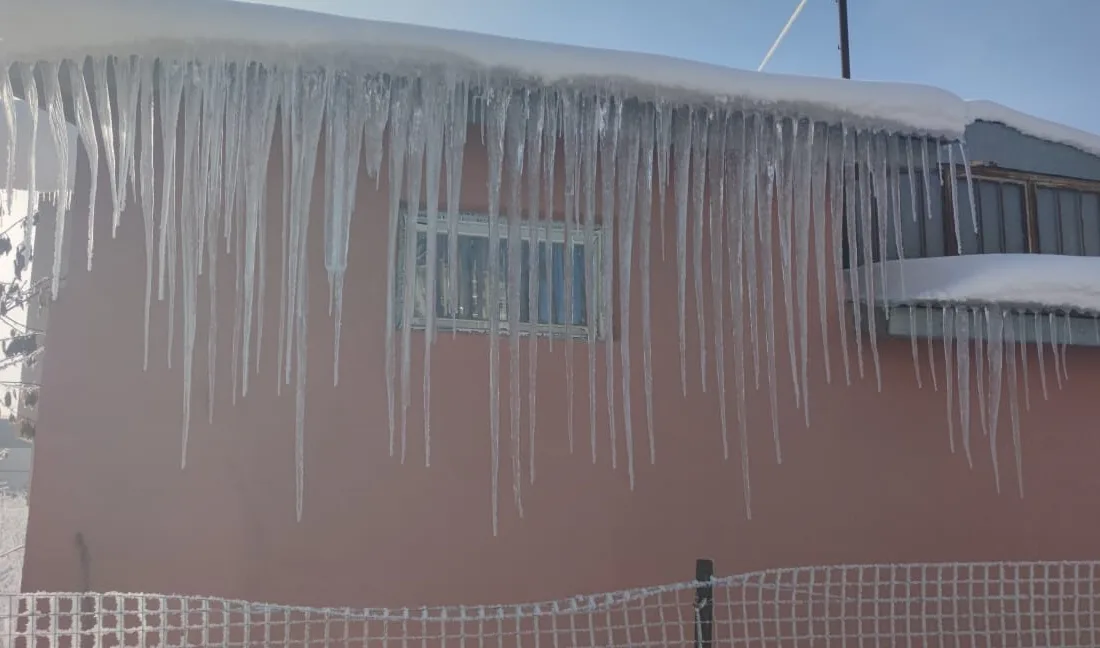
[782,35]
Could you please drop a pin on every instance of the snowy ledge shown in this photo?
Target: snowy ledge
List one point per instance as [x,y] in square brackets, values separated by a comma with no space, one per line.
[31,30]
[1038,282]
[988,111]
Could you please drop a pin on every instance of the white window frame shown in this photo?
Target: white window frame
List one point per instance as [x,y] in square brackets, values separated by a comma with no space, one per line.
[473,224]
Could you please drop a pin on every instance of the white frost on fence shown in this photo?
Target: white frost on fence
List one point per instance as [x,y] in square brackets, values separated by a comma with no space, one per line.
[920,605]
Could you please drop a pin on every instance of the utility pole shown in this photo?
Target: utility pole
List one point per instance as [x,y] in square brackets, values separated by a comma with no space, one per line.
[845,60]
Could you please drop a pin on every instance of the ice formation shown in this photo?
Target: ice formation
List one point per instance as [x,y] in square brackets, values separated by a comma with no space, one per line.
[765,190]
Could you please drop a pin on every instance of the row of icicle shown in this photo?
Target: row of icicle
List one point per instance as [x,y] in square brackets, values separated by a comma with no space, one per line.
[725,168]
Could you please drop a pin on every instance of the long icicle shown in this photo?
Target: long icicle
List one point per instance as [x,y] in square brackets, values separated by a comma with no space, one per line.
[589,117]
[536,122]
[400,108]
[629,154]
[699,130]
[806,198]
[571,143]
[648,142]
[497,101]
[515,144]
[435,99]
[610,121]
[716,179]
[738,211]
[681,142]
[414,168]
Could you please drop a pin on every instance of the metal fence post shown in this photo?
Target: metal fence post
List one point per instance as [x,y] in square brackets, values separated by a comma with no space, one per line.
[704,603]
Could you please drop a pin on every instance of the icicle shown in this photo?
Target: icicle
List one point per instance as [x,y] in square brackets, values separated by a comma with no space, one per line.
[974,216]
[551,132]
[399,124]
[825,206]
[458,123]
[515,142]
[1013,395]
[894,175]
[739,211]
[913,344]
[682,145]
[127,82]
[191,215]
[101,94]
[948,326]
[962,346]
[436,97]
[1054,349]
[610,121]
[926,177]
[173,76]
[649,125]
[787,152]
[700,126]
[664,114]
[931,353]
[853,188]
[868,194]
[979,317]
[261,104]
[1039,352]
[288,91]
[59,128]
[571,142]
[1066,341]
[954,188]
[497,101]
[147,182]
[589,118]
[30,95]
[750,173]
[716,178]
[767,186]
[536,122]
[414,167]
[629,152]
[307,110]
[1023,358]
[236,102]
[215,96]
[806,199]
[995,345]
[7,103]
[346,118]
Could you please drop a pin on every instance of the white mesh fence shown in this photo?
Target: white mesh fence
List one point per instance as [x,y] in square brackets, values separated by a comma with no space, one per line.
[943,605]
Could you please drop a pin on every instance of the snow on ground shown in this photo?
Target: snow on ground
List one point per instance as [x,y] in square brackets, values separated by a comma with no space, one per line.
[1042,281]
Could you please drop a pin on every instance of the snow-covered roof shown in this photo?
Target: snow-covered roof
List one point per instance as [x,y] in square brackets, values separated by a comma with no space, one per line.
[31,29]
[1031,281]
[1043,129]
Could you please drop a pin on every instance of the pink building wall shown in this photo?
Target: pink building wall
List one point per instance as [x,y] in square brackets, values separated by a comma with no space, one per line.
[871,480]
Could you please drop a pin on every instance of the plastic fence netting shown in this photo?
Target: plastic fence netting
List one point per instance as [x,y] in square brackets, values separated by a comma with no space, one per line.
[944,605]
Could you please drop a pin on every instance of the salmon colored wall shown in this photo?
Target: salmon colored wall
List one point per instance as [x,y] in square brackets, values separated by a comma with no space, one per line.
[871,480]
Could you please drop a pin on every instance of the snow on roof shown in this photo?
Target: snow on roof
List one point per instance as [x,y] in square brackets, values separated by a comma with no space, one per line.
[1043,129]
[1034,281]
[31,29]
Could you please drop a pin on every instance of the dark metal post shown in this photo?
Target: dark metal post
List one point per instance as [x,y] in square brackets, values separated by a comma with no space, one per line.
[845,60]
[704,603]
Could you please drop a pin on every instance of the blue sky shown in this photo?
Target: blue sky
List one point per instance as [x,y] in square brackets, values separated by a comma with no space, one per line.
[1038,56]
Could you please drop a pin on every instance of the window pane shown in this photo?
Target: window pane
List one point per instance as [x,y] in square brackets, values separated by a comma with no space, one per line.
[987,194]
[1069,219]
[1015,218]
[1047,221]
[1090,214]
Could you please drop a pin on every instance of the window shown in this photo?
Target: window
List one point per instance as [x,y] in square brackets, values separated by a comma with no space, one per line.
[466,307]
[1018,213]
